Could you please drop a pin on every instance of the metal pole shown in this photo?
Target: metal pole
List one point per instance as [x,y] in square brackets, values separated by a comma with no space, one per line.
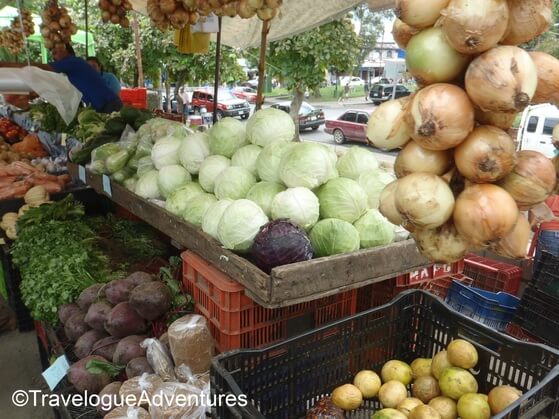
[86,29]
[262,64]
[217,68]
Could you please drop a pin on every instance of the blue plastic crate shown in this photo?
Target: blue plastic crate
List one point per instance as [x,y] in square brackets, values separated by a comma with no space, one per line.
[494,309]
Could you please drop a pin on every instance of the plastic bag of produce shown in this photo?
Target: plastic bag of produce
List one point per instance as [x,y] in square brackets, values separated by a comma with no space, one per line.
[193,408]
[144,165]
[159,359]
[128,412]
[191,342]
[99,157]
[140,388]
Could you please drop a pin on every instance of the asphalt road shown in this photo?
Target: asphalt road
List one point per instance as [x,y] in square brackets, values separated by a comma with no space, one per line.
[332,110]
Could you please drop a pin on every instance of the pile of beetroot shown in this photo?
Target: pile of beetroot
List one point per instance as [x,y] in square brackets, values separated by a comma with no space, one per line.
[108,322]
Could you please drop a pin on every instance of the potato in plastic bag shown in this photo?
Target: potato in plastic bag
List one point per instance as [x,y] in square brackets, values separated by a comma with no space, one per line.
[191,343]
[159,359]
[140,389]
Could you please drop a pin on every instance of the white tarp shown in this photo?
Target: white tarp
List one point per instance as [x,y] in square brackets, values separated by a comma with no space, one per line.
[296,16]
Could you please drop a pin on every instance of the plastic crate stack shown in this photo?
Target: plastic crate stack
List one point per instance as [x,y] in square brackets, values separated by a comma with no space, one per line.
[136,97]
[538,313]
[236,321]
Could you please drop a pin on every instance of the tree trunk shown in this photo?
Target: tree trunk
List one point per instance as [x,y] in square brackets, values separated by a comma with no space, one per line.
[316,92]
[137,43]
[298,96]
[168,93]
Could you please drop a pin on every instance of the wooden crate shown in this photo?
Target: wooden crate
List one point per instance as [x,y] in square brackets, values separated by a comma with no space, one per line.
[286,285]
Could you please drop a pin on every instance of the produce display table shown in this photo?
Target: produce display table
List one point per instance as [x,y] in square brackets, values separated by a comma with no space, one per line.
[286,285]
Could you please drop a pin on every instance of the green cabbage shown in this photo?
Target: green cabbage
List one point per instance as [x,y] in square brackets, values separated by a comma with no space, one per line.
[193,151]
[308,165]
[145,165]
[373,182]
[246,157]
[267,164]
[130,183]
[213,216]
[356,161]
[117,161]
[331,237]
[196,208]
[374,229]
[263,194]
[171,178]
[178,199]
[147,186]
[240,224]
[227,136]
[299,205]
[210,169]
[270,125]
[165,152]
[234,183]
[342,198]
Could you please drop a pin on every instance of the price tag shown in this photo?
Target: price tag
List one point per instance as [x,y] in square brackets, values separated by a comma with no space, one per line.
[56,371]
[107,185]
[81,173]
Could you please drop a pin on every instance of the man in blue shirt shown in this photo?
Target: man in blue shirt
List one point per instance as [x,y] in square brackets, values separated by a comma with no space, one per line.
[109,78]
[84,78]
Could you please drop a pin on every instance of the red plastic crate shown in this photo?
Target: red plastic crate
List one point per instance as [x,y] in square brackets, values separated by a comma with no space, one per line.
[518,332]
[492,275]
[132,95]
[429,273]
[236,321]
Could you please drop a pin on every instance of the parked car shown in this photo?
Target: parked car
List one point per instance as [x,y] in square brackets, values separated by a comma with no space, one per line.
[379,80]
[353,81]
[536,127]
[173,107]
[382,92]
[228,104]
[251,83]
[246,93]
[351,125]
[309,116]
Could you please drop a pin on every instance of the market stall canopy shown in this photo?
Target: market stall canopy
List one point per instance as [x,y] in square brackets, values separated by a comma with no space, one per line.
[296,16]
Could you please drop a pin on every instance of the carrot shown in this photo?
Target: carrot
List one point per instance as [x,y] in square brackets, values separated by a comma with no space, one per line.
[7,181]
[52,187]
[64,179]
[43,176]
[17,189]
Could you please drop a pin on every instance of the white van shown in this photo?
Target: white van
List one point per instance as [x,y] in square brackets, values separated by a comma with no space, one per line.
[536,126]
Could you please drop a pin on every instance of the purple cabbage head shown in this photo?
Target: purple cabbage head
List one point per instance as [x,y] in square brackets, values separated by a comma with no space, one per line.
[280,242]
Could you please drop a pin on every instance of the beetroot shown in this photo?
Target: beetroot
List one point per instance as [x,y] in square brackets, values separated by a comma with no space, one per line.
[127,349]
[138,366]
[118,291]
[66,311]
[138,278]
[151,300]
[85,343]
[75,326]
[105,347]
[124,321]
[83,380]
[107,403]
[97,315]
[89,295]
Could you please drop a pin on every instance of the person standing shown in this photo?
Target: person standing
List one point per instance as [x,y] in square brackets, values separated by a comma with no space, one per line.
[345,93]
[366,88]
[109,78]
[185,102]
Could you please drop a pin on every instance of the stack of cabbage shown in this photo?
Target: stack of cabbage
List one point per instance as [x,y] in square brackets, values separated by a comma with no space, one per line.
[234,179]
[461,184]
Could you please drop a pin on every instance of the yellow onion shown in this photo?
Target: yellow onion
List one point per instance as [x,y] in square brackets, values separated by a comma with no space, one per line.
[487,155]
[515,244]
[266,13]
[442,244]
[532,180]
[419,14]
[413,158]
[475,26]
[503,79]
[548,78]
[244,10]
[402,33]
[431,59]
[424,200]
[503,120]
[386,128]
[527,20]
[387,205]
[484,213]
[440,116]
[167,6]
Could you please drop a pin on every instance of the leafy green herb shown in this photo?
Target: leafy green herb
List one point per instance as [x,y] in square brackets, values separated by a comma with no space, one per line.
[65,209]
[181,303]
[97,367]
[49,118]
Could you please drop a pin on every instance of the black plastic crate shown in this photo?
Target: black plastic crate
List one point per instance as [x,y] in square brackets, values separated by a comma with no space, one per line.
[286,379]
[13,279]
[546,274]
[538,313]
